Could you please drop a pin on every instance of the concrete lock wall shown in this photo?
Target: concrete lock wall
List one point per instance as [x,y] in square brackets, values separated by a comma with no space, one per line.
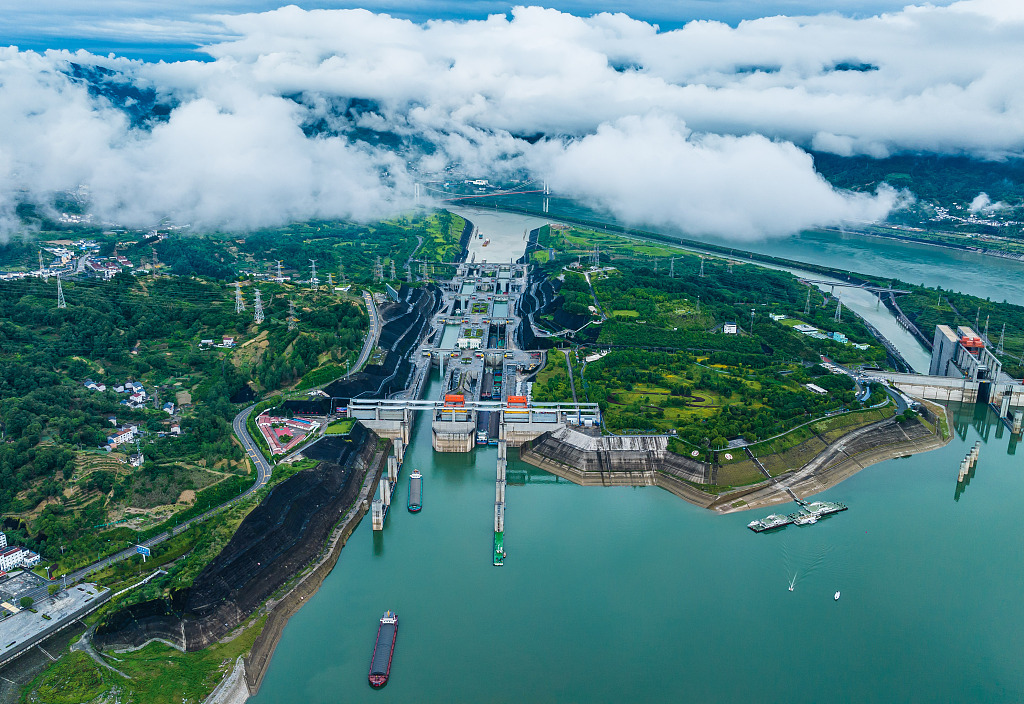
[453,436]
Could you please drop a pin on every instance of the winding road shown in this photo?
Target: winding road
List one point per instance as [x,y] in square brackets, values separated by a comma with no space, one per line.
[263,473]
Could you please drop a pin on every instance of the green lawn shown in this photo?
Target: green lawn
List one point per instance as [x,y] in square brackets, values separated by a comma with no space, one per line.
[340,427]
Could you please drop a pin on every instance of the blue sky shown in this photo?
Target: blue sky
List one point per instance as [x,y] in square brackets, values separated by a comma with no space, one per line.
[172,30]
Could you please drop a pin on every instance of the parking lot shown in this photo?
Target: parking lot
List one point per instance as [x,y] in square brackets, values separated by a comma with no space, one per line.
[13,587]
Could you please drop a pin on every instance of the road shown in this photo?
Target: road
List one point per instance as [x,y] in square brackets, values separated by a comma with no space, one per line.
[371,335]
[572,382]
[263,473]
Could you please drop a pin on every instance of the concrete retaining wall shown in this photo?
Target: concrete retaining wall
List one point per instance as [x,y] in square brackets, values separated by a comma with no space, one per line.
[617,461]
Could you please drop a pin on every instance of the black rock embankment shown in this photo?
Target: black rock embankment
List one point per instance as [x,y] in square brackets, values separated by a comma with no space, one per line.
[467,237]
[403,325]
[536,300]
[277,540]
[532,245]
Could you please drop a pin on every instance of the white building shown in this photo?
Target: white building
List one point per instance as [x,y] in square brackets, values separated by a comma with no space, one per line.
[729,329]
[3,540]
[9,559]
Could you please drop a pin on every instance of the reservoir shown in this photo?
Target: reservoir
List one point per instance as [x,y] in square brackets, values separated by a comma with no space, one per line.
[630,594]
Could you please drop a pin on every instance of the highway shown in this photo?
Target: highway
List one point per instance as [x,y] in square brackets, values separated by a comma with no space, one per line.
[372,334]
[263,473]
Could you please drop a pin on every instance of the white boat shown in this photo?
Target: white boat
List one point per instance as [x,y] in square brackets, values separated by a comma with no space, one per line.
[837,596]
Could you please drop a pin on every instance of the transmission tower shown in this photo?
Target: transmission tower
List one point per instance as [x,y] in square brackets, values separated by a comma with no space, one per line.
[258,314]
[280,278]
[977,319]
[984,335]
[807,307]
[292,320]
[999,350]
[41,270]
[330,282]
[702,266]
[378,270]
[314,283]
[341,272]
[239,301]
[61,303]
[596,257]
[730,267]
[672,267]
[393,274]
[839,309]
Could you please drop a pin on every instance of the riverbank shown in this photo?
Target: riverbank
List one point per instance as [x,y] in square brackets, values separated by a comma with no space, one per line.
[843,458]
[281,609]
[645,461]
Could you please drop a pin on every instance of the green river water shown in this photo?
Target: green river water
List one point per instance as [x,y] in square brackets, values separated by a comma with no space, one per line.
[631,594]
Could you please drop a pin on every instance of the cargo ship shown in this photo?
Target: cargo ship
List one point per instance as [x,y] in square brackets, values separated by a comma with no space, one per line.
[499,548]
[486,242]
[415,491]
[380,663]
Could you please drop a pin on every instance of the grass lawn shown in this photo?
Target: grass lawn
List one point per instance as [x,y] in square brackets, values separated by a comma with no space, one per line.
[738,474]
[340,427]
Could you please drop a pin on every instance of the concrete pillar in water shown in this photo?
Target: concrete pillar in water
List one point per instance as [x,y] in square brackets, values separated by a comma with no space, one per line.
[400,451]
[378,514]
[392,469]
[385,492]
[1018,422]
[1004,408]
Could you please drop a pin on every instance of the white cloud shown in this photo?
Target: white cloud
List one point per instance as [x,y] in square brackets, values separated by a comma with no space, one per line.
[701,128]
[983,204]
[652,170]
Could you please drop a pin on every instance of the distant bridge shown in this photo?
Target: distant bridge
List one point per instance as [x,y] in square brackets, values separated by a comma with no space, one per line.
[866,287]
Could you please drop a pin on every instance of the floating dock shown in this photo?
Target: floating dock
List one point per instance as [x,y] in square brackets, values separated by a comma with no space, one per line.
[809,513]
[771,522]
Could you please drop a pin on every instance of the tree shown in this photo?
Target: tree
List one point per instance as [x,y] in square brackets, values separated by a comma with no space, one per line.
[52,589]
[26,602]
